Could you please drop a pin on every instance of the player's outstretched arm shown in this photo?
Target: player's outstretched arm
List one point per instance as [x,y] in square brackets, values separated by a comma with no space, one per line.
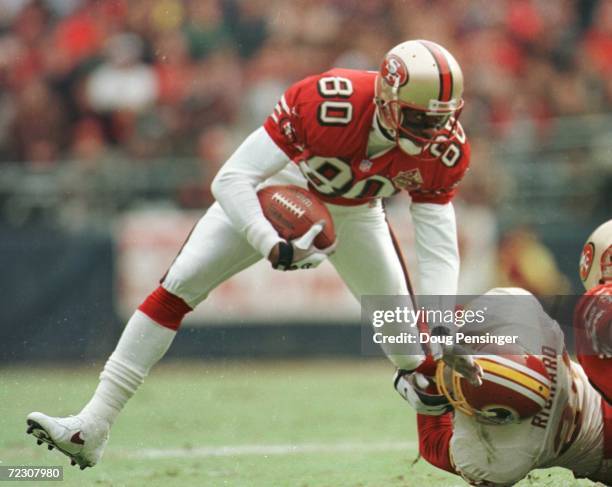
[255,160]
[435,232]
[437,252]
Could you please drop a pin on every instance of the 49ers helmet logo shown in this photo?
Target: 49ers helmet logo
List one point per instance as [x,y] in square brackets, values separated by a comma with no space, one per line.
[394,71]
[586,260]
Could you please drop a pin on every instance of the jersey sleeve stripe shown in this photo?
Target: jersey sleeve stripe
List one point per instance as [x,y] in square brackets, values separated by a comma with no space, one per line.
[519,380]
[284,105]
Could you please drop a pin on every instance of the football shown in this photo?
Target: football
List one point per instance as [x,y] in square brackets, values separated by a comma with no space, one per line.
[293,210]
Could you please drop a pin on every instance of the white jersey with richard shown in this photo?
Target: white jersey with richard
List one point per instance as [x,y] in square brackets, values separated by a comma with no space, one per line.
[568,432]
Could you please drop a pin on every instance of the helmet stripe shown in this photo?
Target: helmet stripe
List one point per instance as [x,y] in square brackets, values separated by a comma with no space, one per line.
[515,365]
[523,391]
[445,73]
[516,377]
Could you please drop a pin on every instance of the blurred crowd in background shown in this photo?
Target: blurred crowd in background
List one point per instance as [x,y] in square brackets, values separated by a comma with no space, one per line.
[85,79]
[105,85]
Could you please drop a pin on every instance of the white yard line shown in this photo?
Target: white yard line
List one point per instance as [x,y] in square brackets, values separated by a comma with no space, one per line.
[240,450]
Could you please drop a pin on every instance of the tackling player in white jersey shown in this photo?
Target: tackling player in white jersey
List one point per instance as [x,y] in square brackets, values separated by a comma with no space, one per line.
[535,408]
[351,137]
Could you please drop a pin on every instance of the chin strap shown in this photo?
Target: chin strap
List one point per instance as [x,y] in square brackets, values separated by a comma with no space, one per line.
[384,131]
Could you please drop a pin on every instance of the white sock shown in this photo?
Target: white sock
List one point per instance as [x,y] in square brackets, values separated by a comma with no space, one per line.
[142,343]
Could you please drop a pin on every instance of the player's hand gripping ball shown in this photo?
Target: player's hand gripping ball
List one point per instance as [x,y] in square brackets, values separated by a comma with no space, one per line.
[292,211]
[305,224]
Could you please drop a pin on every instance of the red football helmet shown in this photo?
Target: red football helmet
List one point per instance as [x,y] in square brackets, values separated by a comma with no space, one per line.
[419,90]
[514,387]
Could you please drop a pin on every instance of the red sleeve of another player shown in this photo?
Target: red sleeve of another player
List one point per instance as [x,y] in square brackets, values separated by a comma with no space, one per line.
[283,124]
[435,433]
[450,175]
[591,307]
[598,370]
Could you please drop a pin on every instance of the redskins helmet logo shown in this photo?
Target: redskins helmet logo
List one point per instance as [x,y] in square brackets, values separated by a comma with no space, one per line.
[394,71]
[586,260]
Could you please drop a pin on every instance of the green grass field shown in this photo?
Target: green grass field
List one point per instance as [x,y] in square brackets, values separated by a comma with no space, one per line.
[260,424]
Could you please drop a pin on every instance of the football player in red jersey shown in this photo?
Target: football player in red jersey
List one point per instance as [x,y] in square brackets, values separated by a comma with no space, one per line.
[351,137]
[593,315]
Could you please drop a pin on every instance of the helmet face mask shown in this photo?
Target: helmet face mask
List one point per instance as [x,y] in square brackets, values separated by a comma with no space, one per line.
[419,95]
[414,121]
[494,414]
[420,128]
[424,126]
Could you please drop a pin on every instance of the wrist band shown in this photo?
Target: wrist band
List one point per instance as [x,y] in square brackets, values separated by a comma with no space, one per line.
[285,256]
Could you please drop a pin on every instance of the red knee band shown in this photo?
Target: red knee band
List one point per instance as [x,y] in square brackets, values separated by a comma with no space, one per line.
[165,308]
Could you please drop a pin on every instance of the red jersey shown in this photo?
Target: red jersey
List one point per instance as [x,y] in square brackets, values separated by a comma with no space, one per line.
[593,311]
[323,124]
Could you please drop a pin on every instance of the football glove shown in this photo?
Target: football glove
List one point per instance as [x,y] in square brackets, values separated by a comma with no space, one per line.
[412,387]
[301,252]
[456,357]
